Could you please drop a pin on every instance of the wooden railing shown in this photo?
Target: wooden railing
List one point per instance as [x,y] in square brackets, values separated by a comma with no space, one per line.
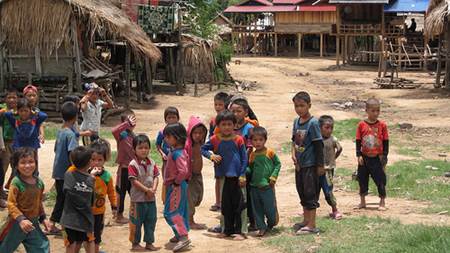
[252,28]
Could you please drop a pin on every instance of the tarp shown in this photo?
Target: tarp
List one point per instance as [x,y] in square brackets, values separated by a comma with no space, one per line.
[406,6]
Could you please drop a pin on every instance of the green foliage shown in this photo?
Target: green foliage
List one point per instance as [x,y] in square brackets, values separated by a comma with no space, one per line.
[51,130]
[222,55]
[366,235]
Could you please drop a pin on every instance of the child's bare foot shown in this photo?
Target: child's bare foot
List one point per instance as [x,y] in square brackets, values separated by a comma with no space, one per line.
[261,233]
[137,248]
[121,220]
[151,247]
[360,206]
[173,239]
[238,237]
[196,226]
[382,206]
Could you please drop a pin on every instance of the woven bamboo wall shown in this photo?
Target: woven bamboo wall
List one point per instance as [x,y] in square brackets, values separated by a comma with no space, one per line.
[306,17]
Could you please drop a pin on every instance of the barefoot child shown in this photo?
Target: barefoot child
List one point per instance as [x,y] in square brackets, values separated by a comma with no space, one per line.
[104,186]
[25,208]
[124,135]
[307,154]
[372,149]
[264,167]
[196,138]
[175,181]
[331,150]
[230,159]
[171,116]
[143,175]
[77,218]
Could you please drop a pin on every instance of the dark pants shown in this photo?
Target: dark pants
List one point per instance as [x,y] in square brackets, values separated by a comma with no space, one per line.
[123,188]
[250,214]
[374,168]
[2,175]
[232,205]
[99,224]
[263,203]
[59,203]
[308,187]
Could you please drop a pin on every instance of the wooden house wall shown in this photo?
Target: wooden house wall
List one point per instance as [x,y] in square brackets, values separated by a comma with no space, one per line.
[361,13]
[307,22]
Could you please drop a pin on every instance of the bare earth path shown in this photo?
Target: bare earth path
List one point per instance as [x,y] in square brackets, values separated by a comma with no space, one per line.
[278,80]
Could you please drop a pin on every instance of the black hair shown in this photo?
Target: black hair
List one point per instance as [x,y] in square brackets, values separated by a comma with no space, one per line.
[139,139]
[302,95]
[69,111]
[244,103]
[222,96]
[204,129]
[12,90]
[325,119]
[22,153]
[260,131]
[178,131]
[102,147]
[23,102]
[124,116]
[71,98]
[171,110]
[225,115]
[81,157]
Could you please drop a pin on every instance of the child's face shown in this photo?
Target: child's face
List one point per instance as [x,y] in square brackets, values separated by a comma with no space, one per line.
[26,166]
[219,105]
[326,129]
[171,140]
[11,100]
[258,141]
[93,95]
[301,107]
[239,112]
[198,135]
[142,150]
[97,160]
[226,127]
[373,111]
[32,97]
[171,119]
[24,113]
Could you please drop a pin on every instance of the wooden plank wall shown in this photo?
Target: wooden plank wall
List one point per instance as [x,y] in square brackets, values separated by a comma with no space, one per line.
[306,17]
[361,13]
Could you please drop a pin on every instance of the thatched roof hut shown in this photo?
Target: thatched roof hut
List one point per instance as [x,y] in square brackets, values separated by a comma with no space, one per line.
[46,24]
[198,59]
[436,16]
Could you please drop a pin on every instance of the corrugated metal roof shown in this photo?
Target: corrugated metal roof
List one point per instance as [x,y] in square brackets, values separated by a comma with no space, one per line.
[260,9]
[287,1]
[263,2]
[405,6]
[318,8]
[359,1]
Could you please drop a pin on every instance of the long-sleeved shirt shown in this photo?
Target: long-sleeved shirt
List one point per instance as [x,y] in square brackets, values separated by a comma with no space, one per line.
[263,167]
[372,139]
[26,132]
[104,185]
[124,138]
[233,151]
[25,200]
[145,172]
[177,167]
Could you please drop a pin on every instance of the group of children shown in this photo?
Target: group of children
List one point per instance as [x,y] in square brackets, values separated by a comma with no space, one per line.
[245,170]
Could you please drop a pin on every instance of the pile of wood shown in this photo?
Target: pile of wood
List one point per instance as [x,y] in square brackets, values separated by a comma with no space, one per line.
[395,83]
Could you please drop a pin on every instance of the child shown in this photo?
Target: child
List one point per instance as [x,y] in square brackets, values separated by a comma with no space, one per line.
[372,149]
[104,185]
[123,133]
[171,116]
[264,167]
[307,155]
[331,149]
[143,175]
[7,137]
[175,181]
[66,142]
[91,110]
[77,218]
[25,207]
[30,92]
[220,102]
[197,132]
[230,158]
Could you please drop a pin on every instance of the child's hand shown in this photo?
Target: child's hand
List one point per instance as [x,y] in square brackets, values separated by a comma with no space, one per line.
[294,159]
[150,193]
[89,133]
[360,160]
[321,170]
[26,226]
[41,139]
[96,171]
[272,183]
[102,92]
[47,225]
[132,120]
[242,183]
[216,158]
[114,214]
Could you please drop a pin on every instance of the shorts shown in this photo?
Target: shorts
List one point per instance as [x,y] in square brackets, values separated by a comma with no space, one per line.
[73,236]
[308,187]
[99,224]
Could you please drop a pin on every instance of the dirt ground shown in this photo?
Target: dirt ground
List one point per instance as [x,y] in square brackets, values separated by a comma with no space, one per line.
[278,79]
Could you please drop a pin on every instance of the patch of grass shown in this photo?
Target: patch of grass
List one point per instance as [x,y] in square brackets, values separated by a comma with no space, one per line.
[345,129]
[410,151]
[366,235]
[51,198]
[154,155]
[51,130]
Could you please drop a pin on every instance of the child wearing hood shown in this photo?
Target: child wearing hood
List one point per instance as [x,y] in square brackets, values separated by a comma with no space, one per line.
[197,132]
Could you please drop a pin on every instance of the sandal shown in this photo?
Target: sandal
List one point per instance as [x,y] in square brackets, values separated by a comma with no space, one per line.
[57,232]
[214,208]
[217,229]
[382,208]
[307,231]
[360,207]
[174,240]
[336,215]
[298,226]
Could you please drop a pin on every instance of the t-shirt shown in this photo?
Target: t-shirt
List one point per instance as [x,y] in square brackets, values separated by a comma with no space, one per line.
[372,137]
[145,172]
[66,141]
[245,131]
[8,130]
[104,185]
[161,143]
[79,193]
[26,132]
[25,200]
[330,146]
[92,116]
[303,136]
[263,166]
[177,167]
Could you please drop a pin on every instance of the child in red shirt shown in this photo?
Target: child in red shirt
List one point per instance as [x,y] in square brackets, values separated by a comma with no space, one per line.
[372,148]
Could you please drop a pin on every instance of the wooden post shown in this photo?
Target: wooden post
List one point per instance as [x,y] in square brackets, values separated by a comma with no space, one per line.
[171,66]
[299,38]
[148,75]
[276,45]
[137,73]
[338,32]
[128,73]
[321,45]
[382,41]
[2,70]
[37,60]
[439,65]
[337,49]
[70,80]
[180,79]
[76,52]
[345,54]
[447,59]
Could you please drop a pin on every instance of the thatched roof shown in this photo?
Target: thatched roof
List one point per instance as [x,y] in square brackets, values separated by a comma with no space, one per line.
[434,22]
[45,24]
